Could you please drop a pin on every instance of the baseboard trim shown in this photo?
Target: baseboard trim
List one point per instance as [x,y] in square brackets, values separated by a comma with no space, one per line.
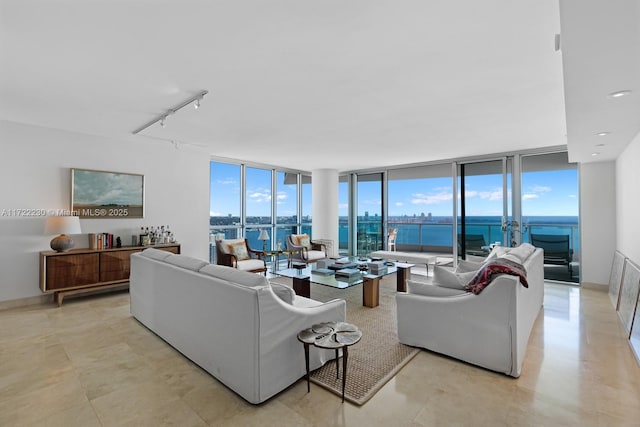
[595,286]
[25,302]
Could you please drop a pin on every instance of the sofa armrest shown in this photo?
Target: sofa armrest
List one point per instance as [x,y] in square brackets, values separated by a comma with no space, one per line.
[281,355]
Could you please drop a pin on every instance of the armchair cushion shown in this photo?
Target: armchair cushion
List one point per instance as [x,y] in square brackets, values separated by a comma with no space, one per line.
[251,264]
[239,250]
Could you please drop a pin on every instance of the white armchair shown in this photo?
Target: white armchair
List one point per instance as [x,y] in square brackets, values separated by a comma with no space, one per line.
[490,329]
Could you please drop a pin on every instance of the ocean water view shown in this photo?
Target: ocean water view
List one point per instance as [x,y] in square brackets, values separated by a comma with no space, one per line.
[438,231]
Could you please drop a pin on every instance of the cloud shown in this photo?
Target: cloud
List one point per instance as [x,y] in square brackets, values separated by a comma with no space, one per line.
[431,199]
[539,189]
[529,196]
[495,195]
[399,204]
[259,196]
[227,181]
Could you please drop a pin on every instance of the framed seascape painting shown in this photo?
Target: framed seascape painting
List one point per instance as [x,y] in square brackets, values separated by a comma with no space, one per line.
[102,194]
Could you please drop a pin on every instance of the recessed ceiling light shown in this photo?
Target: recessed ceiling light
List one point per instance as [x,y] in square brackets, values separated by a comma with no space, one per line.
[619,93]
[603,133]
[595,154]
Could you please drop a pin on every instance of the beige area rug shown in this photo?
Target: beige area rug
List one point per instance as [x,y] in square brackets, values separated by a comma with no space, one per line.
[378,356]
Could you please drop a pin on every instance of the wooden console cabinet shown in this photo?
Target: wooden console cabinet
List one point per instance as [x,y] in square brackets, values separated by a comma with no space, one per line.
[86,270]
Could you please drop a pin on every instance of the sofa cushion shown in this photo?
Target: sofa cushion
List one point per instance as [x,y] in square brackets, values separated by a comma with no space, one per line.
[465,266]
[284,292]
[521,252]
[426,289]
[239,250]
[186,262]
[450,279]
[234,275]
[156,254]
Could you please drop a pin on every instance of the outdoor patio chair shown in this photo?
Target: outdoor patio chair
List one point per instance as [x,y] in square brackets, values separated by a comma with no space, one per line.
[556,248]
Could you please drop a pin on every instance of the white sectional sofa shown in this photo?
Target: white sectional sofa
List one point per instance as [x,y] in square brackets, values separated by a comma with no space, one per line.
[490,329]
[234,324]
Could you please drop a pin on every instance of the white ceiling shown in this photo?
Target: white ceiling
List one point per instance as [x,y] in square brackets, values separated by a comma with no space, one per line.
[313,84]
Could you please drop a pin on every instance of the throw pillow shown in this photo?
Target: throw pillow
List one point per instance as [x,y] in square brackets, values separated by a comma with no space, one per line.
[496,252]
[304,240]
[465,266]
[426,289]
[239,250]
[522,252]
[283,292]
[450,279]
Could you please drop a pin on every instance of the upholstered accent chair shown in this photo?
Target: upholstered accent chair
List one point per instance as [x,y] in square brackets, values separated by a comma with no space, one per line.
[556,248]
[238,254]
[302,249]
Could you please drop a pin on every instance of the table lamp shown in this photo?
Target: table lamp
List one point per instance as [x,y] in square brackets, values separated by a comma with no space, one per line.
[62,225]
[264,236]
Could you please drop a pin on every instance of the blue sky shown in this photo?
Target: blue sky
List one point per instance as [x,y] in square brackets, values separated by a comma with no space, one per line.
[548,193]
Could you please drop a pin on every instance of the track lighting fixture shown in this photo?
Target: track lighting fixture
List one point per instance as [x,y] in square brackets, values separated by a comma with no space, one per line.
[163,117]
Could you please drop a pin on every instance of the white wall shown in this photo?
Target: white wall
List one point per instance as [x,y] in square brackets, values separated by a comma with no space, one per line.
[597,221]
[628,201]
[35,174]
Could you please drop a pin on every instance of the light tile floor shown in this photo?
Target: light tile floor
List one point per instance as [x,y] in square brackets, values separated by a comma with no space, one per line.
[89,363]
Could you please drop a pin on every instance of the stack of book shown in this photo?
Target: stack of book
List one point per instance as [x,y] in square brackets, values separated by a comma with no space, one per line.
[323,271]
[377,267]
[348,273]
[100,241]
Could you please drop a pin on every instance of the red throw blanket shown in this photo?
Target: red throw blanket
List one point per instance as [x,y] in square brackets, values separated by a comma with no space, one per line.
[492,268]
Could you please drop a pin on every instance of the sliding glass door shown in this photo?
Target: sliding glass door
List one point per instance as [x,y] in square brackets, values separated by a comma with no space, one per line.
[550,212]
[370,223]
[484,207]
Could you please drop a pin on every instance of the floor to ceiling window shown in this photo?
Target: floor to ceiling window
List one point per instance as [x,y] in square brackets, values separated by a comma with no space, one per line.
[484,208]
[343,214]
[370,215]
[520,198]
[258,209]
[247,200]
[286,207]
[421,208]
[225,203]
[550,213]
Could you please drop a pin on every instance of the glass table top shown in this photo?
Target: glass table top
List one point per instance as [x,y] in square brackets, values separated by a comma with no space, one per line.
[323,277]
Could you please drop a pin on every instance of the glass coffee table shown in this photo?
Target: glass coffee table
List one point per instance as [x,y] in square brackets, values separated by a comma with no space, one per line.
[304,277]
